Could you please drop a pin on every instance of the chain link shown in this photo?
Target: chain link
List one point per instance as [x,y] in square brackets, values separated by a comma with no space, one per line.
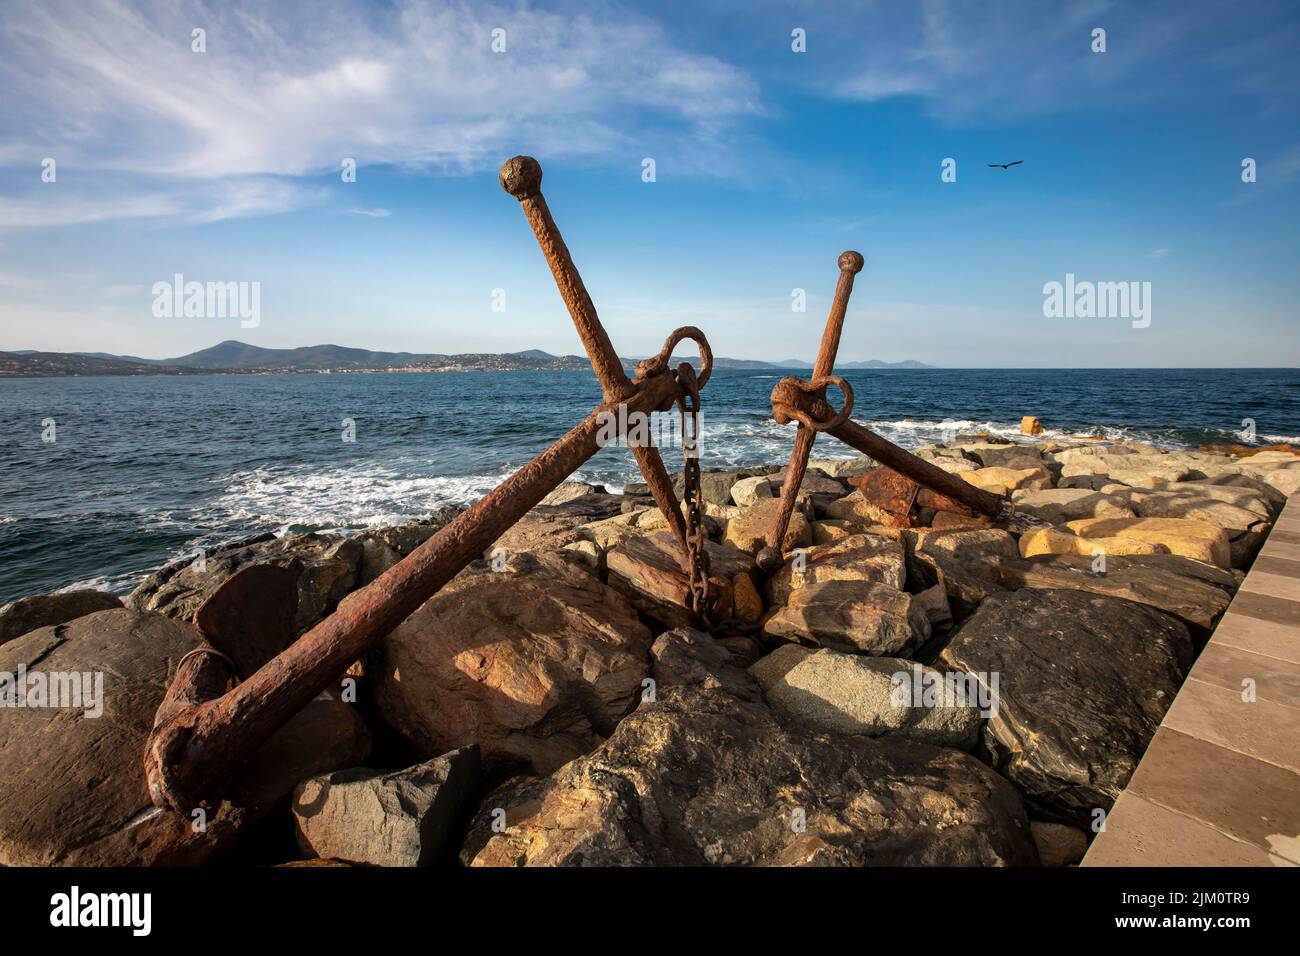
[697,558]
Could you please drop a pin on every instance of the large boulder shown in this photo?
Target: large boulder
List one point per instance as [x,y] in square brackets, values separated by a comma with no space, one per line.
[648,571]
[534,663]
[965,562]
[748,490]
[330,570]
[860,617]
[45,610]
[1083,682]
[1192,591]
[854,694]
[410,817]
[856,507]
[700,777]
[748,530]
[857,557]
[689,658]
[72,786]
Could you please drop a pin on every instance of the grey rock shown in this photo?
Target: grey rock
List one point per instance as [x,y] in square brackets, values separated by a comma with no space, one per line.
[408,817]
[1084,681]
[854,694]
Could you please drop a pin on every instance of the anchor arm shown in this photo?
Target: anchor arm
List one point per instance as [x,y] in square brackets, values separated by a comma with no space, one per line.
[769,558]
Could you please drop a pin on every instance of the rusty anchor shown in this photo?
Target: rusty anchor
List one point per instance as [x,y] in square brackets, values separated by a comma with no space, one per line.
[903,480]
[222,706]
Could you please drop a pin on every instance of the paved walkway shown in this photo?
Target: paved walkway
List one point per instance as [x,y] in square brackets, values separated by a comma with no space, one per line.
[1220,783]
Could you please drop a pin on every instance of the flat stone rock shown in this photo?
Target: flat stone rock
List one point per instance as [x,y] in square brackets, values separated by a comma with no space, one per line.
[855,694]
[1188,537]
[857,557]
[843,467]
[45,610]
[702,778]
[1001,481]
[1192,591]
[409,817]
[855,616]
[1083,682]
[534,663]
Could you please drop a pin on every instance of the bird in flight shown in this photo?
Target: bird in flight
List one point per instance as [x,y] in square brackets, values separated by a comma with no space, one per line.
[1005,165]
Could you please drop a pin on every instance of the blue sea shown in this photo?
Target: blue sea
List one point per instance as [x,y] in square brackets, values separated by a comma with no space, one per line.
[145,470]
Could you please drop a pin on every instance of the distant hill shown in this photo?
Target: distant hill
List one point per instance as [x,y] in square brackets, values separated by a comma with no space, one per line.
[56,364]
[239,355]
[233,356]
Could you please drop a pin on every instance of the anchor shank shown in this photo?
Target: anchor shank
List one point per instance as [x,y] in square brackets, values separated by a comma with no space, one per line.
[918,469]
[522,178]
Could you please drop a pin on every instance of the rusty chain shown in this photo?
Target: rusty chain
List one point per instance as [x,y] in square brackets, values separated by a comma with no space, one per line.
[696,560]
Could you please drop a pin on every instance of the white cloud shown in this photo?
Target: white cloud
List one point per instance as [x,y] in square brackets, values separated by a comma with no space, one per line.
[289,90]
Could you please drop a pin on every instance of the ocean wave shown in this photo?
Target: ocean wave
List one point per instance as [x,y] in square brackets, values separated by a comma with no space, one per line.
[346,497]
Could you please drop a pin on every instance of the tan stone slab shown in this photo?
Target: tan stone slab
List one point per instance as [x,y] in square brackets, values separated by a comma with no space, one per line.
[1245,798]
[1260,637]
[1279,549]
[1274,585]
[1139,833]
[1273,679]
[1266,607]
[1282,536]
[1261,729]
[1273,561]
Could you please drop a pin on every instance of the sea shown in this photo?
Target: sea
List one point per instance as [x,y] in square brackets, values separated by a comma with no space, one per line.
[104,479]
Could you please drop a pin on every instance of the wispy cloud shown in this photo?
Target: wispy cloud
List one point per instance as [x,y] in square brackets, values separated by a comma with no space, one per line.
[291,90]
[374,213]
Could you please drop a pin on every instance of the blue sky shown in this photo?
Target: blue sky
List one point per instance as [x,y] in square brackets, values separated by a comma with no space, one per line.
[224,166]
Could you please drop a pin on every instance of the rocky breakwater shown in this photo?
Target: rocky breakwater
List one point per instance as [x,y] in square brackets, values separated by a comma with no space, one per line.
[951,693]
